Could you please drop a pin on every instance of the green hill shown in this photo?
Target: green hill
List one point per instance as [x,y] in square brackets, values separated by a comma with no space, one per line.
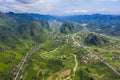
[17,34]
[20,27]
[67,27]
[93,39]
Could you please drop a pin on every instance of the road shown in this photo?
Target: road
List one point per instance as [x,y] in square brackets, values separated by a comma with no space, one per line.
[24,59]
[75,67]
[75,58]
[113,69]
[76,64]
[76,43]
[85,28]
[110,37]
[83,25]
[108,65]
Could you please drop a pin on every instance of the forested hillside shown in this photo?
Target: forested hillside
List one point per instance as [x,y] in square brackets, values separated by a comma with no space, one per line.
[46,47]
[18,32]
[108,24]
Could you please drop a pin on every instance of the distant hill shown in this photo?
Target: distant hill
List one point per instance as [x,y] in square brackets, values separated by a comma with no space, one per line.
[108,24]
[42,19]
[67,27]
[16,27]
[93,39]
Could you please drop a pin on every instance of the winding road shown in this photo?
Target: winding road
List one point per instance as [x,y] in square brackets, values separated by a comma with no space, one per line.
[74,68]
[102,60]
[76,65]
[85,28]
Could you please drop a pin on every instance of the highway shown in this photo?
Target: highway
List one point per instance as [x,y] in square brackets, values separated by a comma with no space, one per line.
[102,60]
[113,69]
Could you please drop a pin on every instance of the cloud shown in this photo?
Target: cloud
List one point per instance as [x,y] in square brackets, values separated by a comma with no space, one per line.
[29,6]
[59,7]
[27,1]
[102,10]
[109,0]
[86,11]
[77,11]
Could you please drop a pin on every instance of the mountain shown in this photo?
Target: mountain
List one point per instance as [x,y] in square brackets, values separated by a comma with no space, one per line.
[23,26]
[8,29]
[108,24]
[31,17]
[93,39]
[71,47]
[18,32]
[67,27]
[45,25]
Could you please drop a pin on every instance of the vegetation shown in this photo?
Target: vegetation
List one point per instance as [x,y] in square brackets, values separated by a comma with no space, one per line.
[17,35]
[93,39]
[37,48]
[67,28]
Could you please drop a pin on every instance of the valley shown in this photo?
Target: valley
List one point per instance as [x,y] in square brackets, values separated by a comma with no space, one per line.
[39,49]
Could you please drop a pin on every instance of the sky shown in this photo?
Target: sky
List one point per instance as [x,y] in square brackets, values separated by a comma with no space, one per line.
[61,7]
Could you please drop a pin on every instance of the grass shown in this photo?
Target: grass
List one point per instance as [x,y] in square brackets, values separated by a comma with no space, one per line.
[55,57]
[10,57]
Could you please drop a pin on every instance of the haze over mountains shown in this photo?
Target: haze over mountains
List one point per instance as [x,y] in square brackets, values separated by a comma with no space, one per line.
[21,24]
[59,40]
[61,7]
[101,22]
[48,47]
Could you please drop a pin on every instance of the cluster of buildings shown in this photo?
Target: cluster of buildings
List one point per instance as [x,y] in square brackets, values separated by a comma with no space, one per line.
[90,57]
